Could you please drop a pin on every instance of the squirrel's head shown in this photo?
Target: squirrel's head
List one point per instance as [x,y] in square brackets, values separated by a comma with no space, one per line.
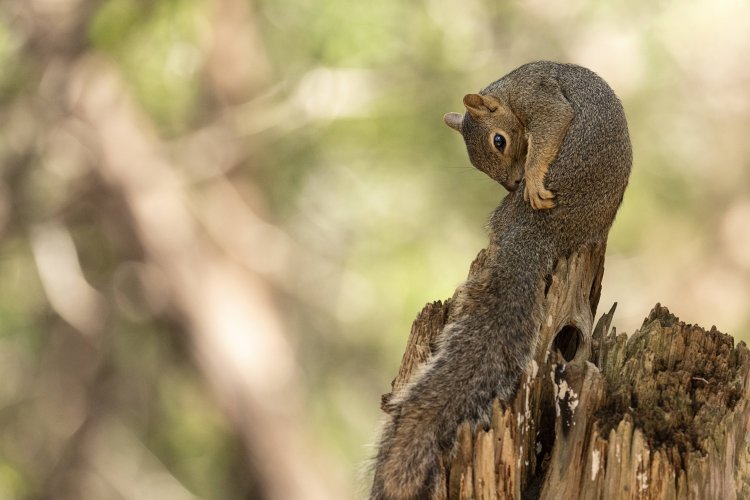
[494,136]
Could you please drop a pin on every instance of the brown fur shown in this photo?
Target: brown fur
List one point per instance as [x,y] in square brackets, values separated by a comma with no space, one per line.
[567,138]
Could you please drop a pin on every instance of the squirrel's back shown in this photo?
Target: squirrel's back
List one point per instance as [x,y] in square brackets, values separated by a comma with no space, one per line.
[591,170]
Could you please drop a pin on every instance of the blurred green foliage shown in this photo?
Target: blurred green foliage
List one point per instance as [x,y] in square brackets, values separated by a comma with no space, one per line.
[155,45]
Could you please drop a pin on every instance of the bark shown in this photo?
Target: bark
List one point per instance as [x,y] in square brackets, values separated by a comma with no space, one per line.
[663,414]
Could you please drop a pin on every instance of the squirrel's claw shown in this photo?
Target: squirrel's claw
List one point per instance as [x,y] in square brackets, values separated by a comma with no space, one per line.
[539,197]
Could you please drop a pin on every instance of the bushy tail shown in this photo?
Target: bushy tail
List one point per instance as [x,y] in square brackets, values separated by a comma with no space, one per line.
[482,356]
[452,388]
[407,460]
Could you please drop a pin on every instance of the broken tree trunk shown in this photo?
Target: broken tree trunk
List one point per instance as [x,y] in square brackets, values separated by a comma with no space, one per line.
[664,414]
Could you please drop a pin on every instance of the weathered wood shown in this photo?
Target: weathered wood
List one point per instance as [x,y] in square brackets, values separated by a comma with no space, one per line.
[662,415]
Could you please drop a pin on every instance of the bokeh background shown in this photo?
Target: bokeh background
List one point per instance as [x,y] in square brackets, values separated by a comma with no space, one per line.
[218,218]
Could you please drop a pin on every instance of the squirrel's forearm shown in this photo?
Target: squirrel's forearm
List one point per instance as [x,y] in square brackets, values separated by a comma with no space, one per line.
[547,118]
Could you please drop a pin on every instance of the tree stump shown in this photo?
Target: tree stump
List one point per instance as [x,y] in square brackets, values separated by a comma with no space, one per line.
[664,414]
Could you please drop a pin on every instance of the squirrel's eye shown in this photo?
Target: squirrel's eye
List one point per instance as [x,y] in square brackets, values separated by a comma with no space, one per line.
[499,142]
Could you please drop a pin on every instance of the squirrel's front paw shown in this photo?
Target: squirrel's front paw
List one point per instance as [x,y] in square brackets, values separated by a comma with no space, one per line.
[535,192]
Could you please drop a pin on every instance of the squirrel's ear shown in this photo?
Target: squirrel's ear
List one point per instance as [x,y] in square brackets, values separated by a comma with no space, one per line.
[479,105]
[454,121]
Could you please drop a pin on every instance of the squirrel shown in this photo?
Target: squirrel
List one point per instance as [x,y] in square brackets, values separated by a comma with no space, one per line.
[555,136]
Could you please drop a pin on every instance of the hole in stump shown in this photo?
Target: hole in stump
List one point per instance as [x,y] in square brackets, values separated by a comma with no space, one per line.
[567,342]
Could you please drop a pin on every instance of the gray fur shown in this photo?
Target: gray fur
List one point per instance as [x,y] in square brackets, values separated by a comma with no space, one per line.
[492,336]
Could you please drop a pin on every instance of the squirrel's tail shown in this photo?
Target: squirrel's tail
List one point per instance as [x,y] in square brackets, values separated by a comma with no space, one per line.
[483,352]
[407,460]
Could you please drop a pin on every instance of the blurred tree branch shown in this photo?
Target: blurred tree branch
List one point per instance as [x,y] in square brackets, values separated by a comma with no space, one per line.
[236,336]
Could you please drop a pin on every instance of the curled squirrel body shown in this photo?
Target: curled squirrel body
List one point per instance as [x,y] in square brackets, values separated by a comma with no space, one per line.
[564,155]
